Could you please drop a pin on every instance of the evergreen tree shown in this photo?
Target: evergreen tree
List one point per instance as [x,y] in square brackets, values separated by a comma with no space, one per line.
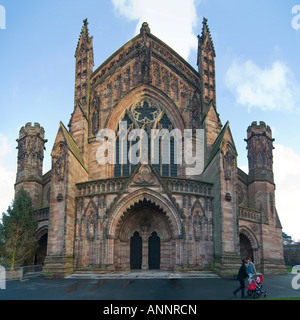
[17,241]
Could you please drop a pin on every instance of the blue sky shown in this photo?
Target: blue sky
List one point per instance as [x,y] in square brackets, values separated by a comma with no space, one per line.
[257,71]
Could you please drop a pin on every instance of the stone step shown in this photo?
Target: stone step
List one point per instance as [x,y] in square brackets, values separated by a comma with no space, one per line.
[142,275]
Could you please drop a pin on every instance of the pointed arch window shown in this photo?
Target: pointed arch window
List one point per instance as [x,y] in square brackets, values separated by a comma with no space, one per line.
[259,159]
[145,115]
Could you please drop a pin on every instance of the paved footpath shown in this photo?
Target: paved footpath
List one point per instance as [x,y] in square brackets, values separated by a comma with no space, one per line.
[140,286]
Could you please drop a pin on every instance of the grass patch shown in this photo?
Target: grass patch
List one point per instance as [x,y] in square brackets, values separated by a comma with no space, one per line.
[289,268]
[286,298]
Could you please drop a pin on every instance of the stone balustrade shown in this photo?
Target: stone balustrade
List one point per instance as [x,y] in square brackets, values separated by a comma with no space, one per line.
[175,185]
[41,214]
[249,214]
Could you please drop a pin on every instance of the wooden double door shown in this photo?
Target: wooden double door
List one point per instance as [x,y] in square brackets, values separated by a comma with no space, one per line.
[136,251]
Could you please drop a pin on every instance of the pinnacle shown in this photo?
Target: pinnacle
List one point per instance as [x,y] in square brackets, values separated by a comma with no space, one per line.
[206,34]
[205,29]
[85,29]
[84,33]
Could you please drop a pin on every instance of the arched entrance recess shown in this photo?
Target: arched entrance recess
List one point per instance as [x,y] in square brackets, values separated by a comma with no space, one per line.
[42,237]
[245,247]
[249,245]
[143,238]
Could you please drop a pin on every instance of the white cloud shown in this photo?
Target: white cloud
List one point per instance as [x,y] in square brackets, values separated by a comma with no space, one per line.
[7,179]
[170,20]
[244,168]
[5,148]
[287,179]
[273,88]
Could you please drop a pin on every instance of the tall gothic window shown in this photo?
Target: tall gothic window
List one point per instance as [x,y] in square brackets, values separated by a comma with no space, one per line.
[271,203]
[259,159]
[146,115]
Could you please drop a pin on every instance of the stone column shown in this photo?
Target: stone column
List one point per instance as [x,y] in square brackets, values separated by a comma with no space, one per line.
[145,263]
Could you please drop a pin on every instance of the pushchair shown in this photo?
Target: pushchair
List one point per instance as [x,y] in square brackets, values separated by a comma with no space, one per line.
[255,288]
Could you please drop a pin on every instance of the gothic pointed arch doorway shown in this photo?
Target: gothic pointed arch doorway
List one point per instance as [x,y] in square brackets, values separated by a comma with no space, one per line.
[144,239]
[246,249]
[41,252]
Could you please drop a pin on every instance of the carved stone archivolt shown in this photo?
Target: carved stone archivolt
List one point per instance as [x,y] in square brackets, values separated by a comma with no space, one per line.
[117,211]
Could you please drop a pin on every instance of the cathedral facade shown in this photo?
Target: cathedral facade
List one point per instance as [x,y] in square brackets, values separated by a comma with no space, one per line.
[121,215]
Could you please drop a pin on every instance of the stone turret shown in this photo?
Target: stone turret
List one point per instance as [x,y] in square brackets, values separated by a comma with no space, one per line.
[31,146]
[260,156]
[260,160]
[261,194]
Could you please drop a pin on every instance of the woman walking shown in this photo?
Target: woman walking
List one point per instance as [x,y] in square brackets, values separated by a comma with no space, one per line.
[242,275]
[251,268]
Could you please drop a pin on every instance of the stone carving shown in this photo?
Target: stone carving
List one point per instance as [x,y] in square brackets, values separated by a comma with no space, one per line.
[145,223]
[91,230]
[165,79]
[145,60]
[60,197]
[59,159]
[31,145]
[228,162]
[254,227]
[174,86]
[144,176]
[135,73]
[95,122]
[146,112]
[96,103]
[197,227]
[126,79]
[156,73]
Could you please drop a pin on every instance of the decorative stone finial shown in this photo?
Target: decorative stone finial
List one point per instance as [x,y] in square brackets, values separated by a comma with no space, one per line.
[145,28]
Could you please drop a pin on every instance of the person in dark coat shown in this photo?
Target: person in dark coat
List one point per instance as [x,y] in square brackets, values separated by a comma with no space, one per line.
[242,275]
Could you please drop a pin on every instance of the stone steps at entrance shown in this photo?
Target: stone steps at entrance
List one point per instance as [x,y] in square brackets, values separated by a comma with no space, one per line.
[147,274]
